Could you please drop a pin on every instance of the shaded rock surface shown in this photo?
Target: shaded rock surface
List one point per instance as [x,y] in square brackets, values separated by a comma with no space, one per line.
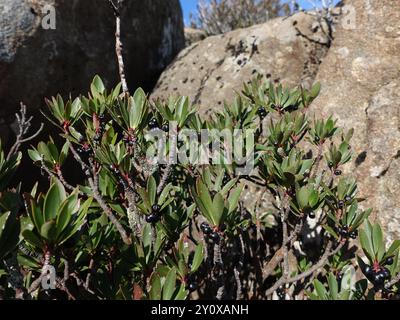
[360,79]
[35,62]
[210,70]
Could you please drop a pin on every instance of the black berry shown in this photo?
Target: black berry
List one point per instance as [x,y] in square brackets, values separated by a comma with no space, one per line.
[215,236]
[354,234]
[344,232]
[155,208]
[165,127]
[316,138]
[153,123]
[385,273]
[311,215]
[330,164]
[340,204]
[262,113]
[347,198]
[338,172]
[368,270]
[152,218]
[192,286]
[389,261]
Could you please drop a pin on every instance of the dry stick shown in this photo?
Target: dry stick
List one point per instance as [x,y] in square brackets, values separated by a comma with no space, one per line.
[218,265]
[93,182]
[284,214]
[90,273]
[65,183]
[35,284]
[118,45]
[323,260]
[23,126]
[133,217]
[278,256]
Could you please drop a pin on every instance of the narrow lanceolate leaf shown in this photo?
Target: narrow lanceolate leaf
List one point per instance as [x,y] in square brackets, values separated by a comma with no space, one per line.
[52,201]
[394,246]
[169,285]
[366,245]
[218,209]
[152,189]
[197,258]
[377,238]
[333,286]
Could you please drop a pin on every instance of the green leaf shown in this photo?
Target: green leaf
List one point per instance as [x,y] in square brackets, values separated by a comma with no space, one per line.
[316,88]
[321,291]
[333,286]
[97,86]
[169,285]
[218,209]
[302,197]
[155,289]
[197,258]
[377,238]
[49,231]
[32,238]
[152,189]
[393,247]
[53,199]
[366,244]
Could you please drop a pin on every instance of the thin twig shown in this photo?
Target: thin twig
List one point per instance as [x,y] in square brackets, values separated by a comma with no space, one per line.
[323,260]
[24,125]
[96,194]
[118,44]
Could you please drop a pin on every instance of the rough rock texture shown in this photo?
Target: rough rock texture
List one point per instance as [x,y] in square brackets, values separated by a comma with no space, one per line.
[360,80]
[35,62]
[194,35]
[209,71]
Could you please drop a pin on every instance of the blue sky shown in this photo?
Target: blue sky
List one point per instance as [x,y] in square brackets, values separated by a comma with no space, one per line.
[190,6]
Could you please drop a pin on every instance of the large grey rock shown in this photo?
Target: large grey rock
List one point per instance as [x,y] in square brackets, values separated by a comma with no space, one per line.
[360,80]
[210,70]
[35,62]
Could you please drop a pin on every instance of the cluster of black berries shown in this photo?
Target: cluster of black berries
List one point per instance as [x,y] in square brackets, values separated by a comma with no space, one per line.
[213,235]
[378,275]
[154,216]
[262,113]
[153,124]
[346,233]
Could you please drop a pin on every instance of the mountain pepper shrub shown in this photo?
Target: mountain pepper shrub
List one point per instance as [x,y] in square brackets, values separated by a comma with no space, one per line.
[135,228]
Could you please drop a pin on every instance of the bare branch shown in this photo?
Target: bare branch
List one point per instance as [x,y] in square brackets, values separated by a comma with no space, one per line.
[118,44]
[321,263]
[93,182]
[24,125]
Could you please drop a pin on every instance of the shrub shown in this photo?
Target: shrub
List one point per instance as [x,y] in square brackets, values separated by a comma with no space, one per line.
[220,16]
[138,229]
